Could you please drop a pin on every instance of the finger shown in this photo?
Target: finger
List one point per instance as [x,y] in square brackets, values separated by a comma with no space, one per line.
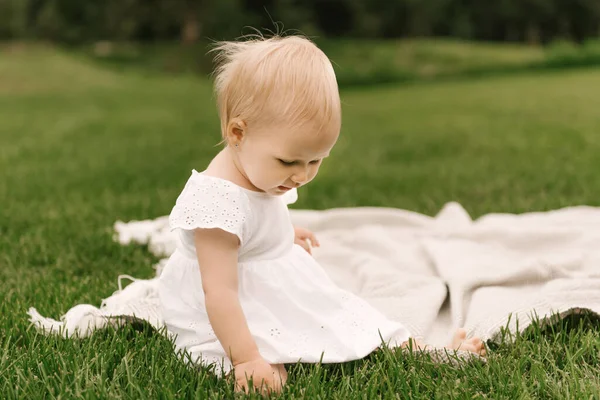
[483,351]
[281,374]
[302,236]
[241,387]
[314,240]
[300,232]
[244,383]
[309,243]
[263,388]
[259,385]
[267,388]
[276,385]
[307,248]
[304,245]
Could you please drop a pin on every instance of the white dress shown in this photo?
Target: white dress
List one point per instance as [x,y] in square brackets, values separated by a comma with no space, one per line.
[293,309]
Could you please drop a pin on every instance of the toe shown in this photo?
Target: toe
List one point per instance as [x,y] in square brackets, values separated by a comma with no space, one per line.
[476,343]
[459,338]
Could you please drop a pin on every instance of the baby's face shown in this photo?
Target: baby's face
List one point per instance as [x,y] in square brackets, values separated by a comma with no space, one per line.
[277,159]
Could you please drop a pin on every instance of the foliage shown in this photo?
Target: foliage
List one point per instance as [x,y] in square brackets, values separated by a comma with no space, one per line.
[532,21]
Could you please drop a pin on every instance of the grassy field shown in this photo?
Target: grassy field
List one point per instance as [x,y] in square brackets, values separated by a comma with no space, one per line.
[82,146]
[368,62]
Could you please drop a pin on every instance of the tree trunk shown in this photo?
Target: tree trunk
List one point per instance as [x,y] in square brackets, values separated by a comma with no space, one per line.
[532,34]
[190,27]
[565,28]
[511,33]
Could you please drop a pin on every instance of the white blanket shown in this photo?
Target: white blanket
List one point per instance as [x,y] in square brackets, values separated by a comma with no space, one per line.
[434,274]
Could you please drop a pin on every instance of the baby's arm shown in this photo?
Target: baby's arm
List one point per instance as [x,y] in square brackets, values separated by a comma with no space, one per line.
[217,253]
[217,256]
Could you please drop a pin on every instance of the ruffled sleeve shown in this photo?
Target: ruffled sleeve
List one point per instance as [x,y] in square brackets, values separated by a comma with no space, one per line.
[208,202]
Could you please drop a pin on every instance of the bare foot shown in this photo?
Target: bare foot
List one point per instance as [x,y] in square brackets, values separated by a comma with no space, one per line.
[460,342]
[464,349]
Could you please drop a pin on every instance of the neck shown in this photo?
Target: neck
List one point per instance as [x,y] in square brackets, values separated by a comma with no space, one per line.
[228,164]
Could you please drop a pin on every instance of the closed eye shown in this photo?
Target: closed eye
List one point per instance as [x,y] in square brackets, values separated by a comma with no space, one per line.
[290,163]
[287,163]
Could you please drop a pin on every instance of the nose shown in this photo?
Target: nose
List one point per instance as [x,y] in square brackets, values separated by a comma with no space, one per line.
[300,176]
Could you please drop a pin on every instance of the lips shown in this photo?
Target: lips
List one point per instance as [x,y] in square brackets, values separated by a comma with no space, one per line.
[283,188]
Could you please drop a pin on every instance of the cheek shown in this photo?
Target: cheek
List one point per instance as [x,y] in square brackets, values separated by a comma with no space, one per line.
[263,173]
[313,171]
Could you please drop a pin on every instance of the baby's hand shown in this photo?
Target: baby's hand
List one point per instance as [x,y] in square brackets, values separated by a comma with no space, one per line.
[303,236]
[265,377]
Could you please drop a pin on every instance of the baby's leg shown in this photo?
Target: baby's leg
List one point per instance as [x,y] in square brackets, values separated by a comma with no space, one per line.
[463,349]
[459,342]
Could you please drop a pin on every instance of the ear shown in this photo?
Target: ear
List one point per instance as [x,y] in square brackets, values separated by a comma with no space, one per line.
[236,130]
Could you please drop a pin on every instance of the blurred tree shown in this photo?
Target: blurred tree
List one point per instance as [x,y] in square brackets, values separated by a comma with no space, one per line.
[13,18]
[582,18]
[334,17]
[426,18]
[291,14]
[535,13]
[509,15]
[227,19]
[381,18]
[190,13]
[532,21]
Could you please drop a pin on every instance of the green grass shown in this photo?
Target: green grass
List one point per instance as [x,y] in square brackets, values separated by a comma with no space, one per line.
[366,62]
[82,146]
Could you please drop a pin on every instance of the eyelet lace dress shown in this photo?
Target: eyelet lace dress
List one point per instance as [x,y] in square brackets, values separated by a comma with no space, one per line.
[293,309]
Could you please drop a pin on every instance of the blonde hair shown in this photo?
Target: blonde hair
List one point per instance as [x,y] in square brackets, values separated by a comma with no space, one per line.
[277,80]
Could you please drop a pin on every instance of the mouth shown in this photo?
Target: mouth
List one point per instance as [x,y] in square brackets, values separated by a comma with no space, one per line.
[283,188]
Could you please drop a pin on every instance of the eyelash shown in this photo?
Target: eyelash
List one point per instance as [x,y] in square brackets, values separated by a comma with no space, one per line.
[290,163]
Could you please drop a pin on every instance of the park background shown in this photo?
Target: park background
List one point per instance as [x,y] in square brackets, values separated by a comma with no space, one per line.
[106,106]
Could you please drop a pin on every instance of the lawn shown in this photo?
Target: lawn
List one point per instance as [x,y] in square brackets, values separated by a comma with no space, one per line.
[368,61]
[83,145]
